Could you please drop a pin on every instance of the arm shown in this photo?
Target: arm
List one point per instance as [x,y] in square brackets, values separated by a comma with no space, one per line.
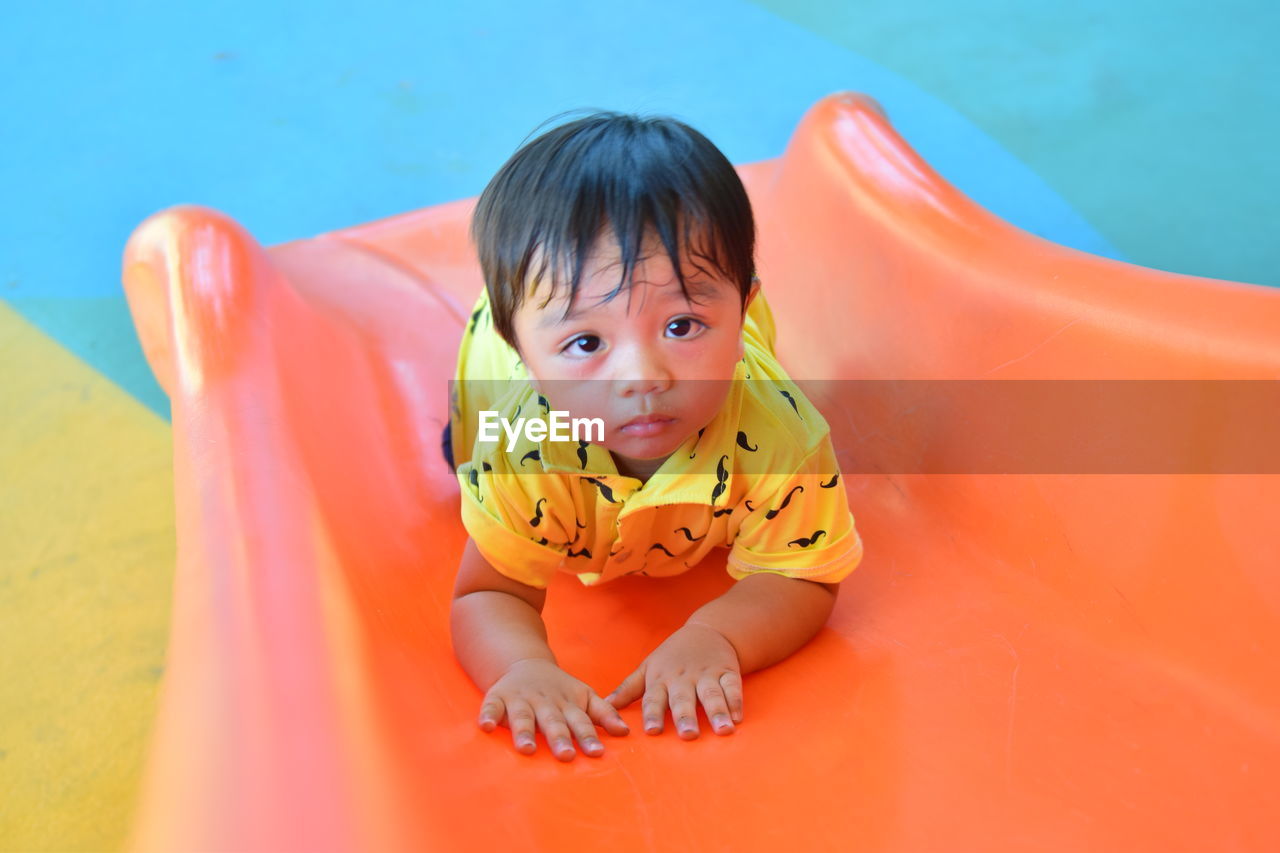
[766,617]
[495,621]
[501,643]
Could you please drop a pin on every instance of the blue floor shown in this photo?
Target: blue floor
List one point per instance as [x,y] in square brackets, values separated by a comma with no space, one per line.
[298,118]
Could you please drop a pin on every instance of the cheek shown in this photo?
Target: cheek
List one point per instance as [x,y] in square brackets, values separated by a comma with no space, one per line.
[580,396]
[717,359]
[549,369]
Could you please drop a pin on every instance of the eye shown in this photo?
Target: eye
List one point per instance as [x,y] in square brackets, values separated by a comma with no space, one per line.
[583,345]
[685,327]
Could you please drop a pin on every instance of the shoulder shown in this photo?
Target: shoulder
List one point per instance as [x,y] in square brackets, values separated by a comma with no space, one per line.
[500,450]
[517,512]
[483,355]
[776,415]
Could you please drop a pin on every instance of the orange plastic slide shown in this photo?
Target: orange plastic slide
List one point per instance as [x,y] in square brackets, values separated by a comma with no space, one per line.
[1045,660]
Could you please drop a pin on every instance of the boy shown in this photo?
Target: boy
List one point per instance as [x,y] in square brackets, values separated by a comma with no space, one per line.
[618,259]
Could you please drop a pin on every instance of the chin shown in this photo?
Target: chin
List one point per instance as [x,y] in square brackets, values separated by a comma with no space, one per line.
[646,449]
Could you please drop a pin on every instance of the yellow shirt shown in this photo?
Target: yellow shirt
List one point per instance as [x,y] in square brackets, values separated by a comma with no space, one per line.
[760,478]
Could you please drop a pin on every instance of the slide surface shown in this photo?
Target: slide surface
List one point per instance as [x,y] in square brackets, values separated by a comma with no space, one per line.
[1033,656]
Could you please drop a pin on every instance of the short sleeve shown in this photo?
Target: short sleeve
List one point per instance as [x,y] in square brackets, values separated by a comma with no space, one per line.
[510,518]
[799,525]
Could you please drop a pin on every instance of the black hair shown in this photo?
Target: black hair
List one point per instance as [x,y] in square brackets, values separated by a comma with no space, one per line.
[544,211]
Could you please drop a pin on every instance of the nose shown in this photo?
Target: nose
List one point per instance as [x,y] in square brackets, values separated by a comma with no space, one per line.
[642,370]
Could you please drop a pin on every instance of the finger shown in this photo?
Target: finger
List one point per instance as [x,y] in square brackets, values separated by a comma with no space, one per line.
[654,708]
[520,719]
[629,690]
[684,709]
[607,716]
[583,729]
[554,729]
[711,695]
[731,683]
[491,713]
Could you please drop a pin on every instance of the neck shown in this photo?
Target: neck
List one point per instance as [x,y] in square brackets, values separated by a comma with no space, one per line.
[641,469]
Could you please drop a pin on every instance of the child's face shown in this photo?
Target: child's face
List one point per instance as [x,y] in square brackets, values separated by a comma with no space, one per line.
[654,366]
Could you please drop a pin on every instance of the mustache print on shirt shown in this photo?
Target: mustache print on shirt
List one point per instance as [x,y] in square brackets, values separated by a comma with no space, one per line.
[722,477]
[532,454]
[744,443]
[774,512]
[474,478]
[695,442]
[805,542]
[537,510]
[688,534]
[792,401]
[582,452]
[604,490]
[835,478]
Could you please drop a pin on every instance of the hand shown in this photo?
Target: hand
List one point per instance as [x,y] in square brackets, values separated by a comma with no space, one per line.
[536,691]
[694,663]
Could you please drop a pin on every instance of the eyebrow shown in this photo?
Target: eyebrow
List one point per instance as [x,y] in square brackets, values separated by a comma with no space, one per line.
[707,291]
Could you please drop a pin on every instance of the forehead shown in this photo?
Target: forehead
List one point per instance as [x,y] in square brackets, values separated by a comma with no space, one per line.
[653,277]
[593,297]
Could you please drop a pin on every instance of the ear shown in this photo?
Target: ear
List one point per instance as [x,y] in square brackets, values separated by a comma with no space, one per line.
[751,295]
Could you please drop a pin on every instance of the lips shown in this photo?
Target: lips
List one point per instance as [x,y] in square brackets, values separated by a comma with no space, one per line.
[647,425]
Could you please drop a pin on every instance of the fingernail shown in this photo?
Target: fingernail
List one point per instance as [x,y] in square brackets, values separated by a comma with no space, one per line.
[721,721]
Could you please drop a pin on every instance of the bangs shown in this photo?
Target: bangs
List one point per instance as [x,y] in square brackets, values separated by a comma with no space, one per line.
[690,244]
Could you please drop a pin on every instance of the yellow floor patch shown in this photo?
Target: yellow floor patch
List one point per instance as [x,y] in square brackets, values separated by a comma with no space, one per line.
[86,570]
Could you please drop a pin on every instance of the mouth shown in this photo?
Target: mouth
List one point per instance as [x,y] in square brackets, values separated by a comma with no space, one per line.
[646,425]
